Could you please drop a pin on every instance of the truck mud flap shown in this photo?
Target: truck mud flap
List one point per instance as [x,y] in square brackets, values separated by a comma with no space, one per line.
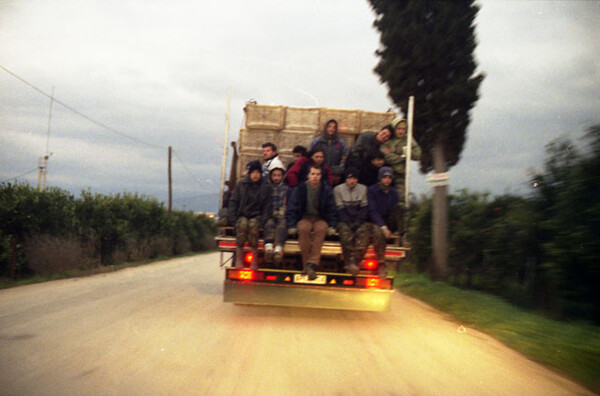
[306,296]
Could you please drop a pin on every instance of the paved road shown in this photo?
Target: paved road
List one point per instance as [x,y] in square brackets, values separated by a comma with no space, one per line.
[163,329]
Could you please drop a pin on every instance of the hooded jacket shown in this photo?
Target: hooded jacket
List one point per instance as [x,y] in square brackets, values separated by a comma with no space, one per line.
[251,200]
[335,147]
[394,151]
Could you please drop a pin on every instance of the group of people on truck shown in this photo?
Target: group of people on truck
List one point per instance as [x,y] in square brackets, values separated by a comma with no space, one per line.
[327,189]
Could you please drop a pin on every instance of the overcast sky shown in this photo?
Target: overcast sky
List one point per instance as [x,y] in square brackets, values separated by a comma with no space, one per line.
[156,73]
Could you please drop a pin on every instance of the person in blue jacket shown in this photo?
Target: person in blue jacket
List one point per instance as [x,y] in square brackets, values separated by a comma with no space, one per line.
[385,213]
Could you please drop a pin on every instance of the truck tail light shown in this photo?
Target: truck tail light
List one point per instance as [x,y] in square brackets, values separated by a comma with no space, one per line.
[370,264]
[245,274]
[373,282]
[248,258]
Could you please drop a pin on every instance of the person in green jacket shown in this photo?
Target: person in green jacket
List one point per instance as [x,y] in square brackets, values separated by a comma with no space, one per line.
[394,151]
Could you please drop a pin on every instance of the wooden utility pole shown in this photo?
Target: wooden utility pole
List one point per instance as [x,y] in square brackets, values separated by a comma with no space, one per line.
[224,157]
[170,184]
[411,110]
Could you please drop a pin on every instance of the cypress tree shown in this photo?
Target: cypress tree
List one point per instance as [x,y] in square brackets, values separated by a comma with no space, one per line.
[427,51]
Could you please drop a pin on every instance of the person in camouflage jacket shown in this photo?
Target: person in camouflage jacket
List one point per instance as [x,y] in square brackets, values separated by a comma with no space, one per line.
[394,151]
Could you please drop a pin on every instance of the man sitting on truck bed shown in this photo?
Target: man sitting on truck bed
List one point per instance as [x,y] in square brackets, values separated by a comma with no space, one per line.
[250,207]
[311,209]
[385,213]
[351,203]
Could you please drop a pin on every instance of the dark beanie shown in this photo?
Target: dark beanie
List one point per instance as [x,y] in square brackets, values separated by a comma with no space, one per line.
[351,172]
[254,165]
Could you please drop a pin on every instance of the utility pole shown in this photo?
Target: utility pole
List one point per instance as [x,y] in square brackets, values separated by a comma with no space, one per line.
[170,184]
[224,158]
[43,161]
[411,108]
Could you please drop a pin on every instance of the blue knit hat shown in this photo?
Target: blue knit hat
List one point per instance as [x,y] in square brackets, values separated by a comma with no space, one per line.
[384,171]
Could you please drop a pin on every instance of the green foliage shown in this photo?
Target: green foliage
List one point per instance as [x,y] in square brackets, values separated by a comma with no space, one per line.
[96,228]
[427,51]
[540,251]
[573,348]
[568,195]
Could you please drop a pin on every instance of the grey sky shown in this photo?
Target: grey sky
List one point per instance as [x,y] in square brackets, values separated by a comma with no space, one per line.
[158,71]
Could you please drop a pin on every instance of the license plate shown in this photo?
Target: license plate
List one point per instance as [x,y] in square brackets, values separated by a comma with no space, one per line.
[301,278]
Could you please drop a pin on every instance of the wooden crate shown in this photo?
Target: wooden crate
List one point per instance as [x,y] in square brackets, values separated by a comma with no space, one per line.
[302,119]
[371,121]
[289,138]
[264,116]
[254,138]
[349,138]
[348,120]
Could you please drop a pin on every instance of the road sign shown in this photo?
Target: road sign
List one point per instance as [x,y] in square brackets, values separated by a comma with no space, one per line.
[437,179]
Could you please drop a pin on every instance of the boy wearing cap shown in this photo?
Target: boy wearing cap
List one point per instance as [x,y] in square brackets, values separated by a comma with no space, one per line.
[275,228]
[250,207]
[351,203]
[385,214]
[394,151]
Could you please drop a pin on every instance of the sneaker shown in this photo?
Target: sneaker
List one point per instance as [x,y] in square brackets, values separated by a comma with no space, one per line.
[268,252]
[310,271]
[352,269]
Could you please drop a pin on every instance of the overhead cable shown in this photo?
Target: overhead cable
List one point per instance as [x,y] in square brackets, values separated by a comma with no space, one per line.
[72,109]
[21,175]
[186,168]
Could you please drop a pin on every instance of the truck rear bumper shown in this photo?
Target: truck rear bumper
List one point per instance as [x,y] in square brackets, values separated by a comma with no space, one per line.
[306,296]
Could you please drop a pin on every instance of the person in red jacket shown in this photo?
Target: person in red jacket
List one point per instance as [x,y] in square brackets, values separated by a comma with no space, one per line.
[299,171]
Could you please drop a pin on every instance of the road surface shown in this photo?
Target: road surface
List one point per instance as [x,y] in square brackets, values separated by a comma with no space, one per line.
[163,329]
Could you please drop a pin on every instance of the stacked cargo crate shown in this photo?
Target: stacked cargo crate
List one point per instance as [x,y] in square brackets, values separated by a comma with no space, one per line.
[287,127]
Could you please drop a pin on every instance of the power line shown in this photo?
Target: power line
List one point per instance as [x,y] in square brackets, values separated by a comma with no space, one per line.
[186,168]
[21,175]
[72,109]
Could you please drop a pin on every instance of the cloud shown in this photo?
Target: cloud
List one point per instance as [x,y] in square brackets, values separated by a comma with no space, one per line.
[158,72]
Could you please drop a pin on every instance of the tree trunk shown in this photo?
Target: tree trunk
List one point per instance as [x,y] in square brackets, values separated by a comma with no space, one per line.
[440,217]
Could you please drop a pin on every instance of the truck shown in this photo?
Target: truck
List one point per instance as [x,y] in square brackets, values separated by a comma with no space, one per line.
[287,285]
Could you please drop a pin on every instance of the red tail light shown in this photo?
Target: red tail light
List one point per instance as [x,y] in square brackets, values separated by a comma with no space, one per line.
[370,264]
[373,282]
[248,258]
[246,275]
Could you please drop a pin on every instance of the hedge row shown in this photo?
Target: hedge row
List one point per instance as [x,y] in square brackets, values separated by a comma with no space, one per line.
[53,231]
